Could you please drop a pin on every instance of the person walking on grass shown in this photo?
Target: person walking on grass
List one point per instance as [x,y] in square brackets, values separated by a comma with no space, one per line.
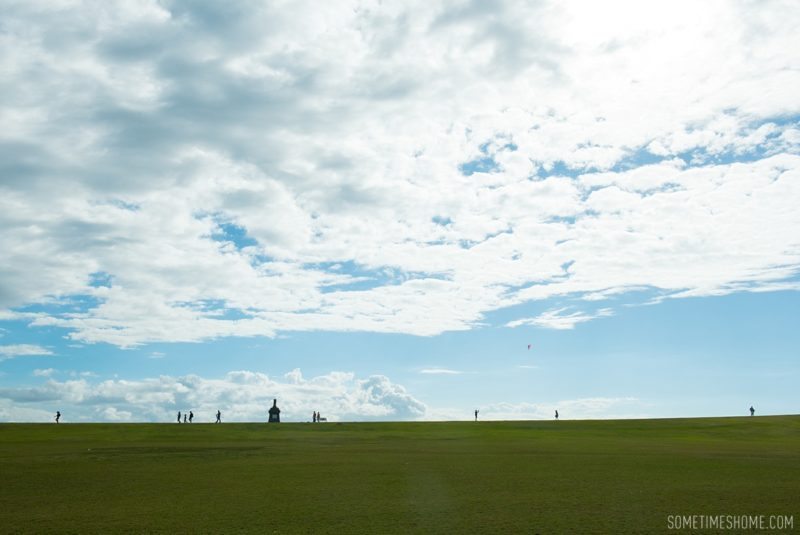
[219,417]
[752,410]
[179,416]
[184,417]
[476,415]
[58,416]
[191,416]
[556,414]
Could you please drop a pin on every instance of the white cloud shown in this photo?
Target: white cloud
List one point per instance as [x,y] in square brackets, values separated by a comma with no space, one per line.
[440,371]
[240,395]
[111,414]
[82,374]
[22,350]
[14,412]
[46,372]
[557,319]
[334,136]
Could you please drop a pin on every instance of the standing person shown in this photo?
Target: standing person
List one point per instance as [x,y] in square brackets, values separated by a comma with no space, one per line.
[191,416]
[476,415]
[58,416]
[219,417]
[179,416]
[752,410]
[184,418]
[556,414]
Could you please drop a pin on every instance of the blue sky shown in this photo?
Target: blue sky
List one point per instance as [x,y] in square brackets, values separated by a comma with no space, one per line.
[371,211]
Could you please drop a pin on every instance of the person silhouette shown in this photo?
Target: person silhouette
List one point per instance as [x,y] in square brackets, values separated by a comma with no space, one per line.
[752,410]
[556,414]
[476,415]
[191,416]
[219,417]
[179,416]
[184,418]
[58,416]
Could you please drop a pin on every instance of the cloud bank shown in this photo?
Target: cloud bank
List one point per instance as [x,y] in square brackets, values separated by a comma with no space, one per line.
[181,171]
[245,396]
[239,395]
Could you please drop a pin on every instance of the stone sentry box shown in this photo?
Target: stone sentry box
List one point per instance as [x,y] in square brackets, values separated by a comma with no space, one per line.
[274,412]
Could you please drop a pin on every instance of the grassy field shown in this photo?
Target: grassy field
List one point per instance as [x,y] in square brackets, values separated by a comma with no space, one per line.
[455,477]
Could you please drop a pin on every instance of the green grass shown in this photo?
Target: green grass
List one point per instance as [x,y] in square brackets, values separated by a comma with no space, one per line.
[455,477]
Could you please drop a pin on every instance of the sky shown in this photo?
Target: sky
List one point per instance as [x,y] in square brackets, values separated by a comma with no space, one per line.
[398,210]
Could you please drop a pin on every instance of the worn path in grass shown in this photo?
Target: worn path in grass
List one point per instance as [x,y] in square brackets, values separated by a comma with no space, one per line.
[452,477]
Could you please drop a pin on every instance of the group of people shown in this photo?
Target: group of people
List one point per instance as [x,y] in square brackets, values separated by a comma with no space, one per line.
[188,417]
[317,418]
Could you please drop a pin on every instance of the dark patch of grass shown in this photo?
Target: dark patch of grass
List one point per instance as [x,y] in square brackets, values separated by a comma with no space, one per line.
[449,477]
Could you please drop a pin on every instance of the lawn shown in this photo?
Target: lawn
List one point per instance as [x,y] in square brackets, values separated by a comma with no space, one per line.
[449,477]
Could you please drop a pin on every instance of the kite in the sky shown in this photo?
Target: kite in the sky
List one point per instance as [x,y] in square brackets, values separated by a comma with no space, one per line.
[529,346]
